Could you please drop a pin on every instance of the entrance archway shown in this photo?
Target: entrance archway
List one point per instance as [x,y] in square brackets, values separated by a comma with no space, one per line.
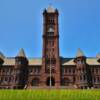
[35,82]
[52,81]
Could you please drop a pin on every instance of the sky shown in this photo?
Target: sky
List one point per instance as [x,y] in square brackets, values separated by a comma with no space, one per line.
[21,26]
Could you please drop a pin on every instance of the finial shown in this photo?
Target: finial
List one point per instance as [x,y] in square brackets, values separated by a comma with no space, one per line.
[50,8]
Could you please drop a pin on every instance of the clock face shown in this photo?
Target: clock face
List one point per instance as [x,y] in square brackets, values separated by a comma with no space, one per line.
[50,29]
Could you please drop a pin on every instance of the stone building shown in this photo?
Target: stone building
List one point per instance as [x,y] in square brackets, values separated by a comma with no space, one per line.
[50,70]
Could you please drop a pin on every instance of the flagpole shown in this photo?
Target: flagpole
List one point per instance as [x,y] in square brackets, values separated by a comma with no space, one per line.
[50,68]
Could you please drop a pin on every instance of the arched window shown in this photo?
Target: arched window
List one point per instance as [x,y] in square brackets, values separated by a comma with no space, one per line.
[50,81]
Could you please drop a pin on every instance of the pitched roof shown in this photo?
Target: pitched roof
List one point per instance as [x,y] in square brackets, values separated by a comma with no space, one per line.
[89,61]
[9,61]
[38,61]
[21,53]
[2,56]
[32,61]
[50,9]
[68,61]
[35,61]
[80,53]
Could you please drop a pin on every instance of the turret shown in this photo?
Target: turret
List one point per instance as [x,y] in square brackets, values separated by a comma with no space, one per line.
[2,57]
[21,58]
[98,57]
[80,59]
[22,65]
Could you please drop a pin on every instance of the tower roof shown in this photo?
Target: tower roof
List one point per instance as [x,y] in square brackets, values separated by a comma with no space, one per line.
[2,56]
[50,9]
[21,53]
[80,53]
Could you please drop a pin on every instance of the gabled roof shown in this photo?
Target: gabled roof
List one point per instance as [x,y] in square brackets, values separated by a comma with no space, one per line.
[67,61]
[2,56]
[80,53]
[21,53]
[50,9]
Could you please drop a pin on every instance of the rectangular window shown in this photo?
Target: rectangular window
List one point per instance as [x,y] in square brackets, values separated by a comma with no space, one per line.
[65,70]
[36,70]
[30,70]
[73,71]
[94,79]
[69,70]
[96,71]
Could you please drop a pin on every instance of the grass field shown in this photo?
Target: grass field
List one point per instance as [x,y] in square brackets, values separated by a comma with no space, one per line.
[49,94]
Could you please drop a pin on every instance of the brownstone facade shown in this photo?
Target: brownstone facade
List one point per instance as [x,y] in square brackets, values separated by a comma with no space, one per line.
[51,70]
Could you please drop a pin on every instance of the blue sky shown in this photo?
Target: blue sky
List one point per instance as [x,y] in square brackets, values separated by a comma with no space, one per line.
[21,26]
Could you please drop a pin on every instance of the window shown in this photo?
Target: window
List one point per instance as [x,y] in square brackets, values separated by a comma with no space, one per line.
[17,71]
[69,70]
[50,44]
[92,70]
[51,21]
[50,33]
[9,79]
[16,79]
[6,78]
[51,61]
[3,70]
[52,70]
[30,70]
[1,79]
[65,70]
[96,71]
[80,78]
[73,71]
[19,62]
[36,70]
[8,72]
[94,80]
[98,79]
[50,28]
[79,62]
[84,77]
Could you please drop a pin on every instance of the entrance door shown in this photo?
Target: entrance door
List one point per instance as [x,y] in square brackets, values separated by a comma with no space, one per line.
[52,81]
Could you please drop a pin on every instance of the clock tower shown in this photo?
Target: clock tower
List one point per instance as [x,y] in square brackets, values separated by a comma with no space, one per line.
[50,72]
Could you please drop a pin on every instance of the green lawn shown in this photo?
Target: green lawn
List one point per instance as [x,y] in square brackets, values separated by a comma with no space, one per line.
[50,94]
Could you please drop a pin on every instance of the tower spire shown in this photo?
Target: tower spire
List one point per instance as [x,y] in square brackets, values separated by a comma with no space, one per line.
[21,53]
[50,9]
[80,53]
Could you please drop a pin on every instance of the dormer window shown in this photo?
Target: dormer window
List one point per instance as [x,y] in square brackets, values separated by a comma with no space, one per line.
[80,62]
[19,62]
